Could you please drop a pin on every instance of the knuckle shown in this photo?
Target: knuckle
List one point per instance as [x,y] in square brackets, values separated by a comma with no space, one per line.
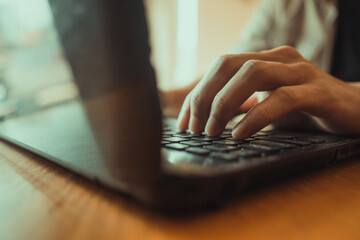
[288,52]
[224,62]
[196,104]
[254,69]
[219,108]
[253,66]
[305,68]
[195,100]
[224,58]
[187,98]
[287,49]
[187,101]
[219,102]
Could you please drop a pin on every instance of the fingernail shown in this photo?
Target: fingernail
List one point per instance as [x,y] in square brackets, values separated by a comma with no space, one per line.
[212,127]
[240,131]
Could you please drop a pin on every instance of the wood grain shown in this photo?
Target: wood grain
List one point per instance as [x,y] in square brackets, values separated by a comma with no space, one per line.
[39,200]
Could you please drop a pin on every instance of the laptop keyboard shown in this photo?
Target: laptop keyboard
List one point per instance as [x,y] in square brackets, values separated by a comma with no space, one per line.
[225,148]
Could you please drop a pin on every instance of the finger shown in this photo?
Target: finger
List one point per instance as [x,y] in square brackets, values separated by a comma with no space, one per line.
[215,79]
[222,70]
[247,105]
[280,103]
[184,115]
[255,75]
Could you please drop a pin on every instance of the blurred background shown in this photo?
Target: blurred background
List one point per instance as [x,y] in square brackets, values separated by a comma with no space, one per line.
[33,71]
[186,36]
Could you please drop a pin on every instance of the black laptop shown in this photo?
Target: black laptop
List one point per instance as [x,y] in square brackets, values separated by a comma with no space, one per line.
[114,133]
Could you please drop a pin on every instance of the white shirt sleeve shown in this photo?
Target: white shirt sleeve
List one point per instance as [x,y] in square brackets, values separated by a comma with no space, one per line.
[256,34]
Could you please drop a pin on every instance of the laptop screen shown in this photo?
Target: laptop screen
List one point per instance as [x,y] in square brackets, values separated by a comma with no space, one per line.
[99,49]
[106,43]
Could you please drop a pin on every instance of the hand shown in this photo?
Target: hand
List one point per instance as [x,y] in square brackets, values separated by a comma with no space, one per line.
[172,100]
[296,85]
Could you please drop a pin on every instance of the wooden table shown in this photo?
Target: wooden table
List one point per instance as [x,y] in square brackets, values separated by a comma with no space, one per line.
[39,200]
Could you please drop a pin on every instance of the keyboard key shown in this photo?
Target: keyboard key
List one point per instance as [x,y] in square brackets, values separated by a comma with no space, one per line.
[227,131]
[186,135]
[249,139]
[207,138]
[194,135]
[176,146]
[227,142]
[225,136]
[196,143]
[164,142]
[176,139]
[198,150]
[276,144]
[220,148]
[260,148]
[171,132]
[223,156]
[282,136]
[312,140]
[245,153]
[237,140]
[296,142]
[258,134]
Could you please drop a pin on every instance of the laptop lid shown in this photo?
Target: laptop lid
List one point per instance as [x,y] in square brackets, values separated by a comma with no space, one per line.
[106,44]
[112,133]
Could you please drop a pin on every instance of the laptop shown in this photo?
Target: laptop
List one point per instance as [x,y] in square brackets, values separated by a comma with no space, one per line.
[114,133]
